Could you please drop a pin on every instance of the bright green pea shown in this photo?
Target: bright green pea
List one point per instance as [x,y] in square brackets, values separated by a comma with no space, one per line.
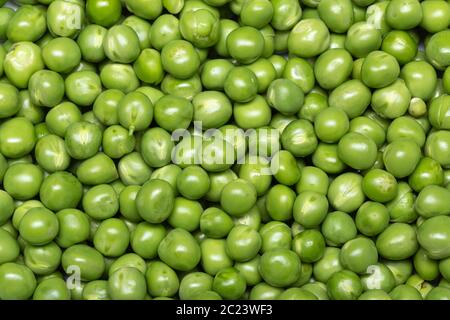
[397,242]
[9,104]
[127,283]
[179,250]
[60,117]
[436,50]
[403,15]
[300,72]
[186,214]
[352,96]
[83,87]
[61,54]
[162,281]
[119,76]
[65,19]
[90,43]
[215,255]
[303,43]
[358,255]
[379,69]
[51,154]
[438,112]
[285,262]
[121,44]
[401,157]
[82,140]
[401,208]
[17,282]
[372,218]
[237,197]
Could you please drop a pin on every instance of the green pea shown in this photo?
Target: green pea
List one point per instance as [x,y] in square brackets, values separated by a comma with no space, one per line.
[215,223]
[345,192]
[60,117]
[437,147]
[127,283]
[95,290]
[215,256]
[379,69]
[6,15]
[229,283]
[372,218]
[433,235]
[9,100]
[154,201]
[61,55]
[237,197]
[405,292]
[119,76]
[179,58]
[435,16]
[97,170]
[401,208]
[17,137]
[121,44]
[194,283]
[43,259]
[378,277]
[401,157]
[401,45]
[437,113]
[285,262]
[344,285]
[179,250]
[9,248]
[362,38]
[353,97]
[162,281]
[328,265]
[358,255]
[104,13]
[17,282]
[112,237]
[146,238]
[82,140]
[73,227]
[186,214]
[337,14]
[309,245]
[310,208]
[156,147]
[403,15]
[300,72]
[306,45]
[401,269]
[83,87]
[149,59]
[436,50]
[64,18]
[39,226]
[338,228]
[275,235]
[90,43]
[398,241]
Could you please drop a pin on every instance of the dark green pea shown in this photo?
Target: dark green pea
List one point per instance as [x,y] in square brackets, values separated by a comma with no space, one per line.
[17,282]
[309,245]
[23,181]
[328,265]
[344,285]
[51,154]
[300,72]
[214,256]
[17,137]
[401,208]
[82,140]
[90,43]
[119,76]
[73,227]
[215,223]
[179,250]
[162,281]
[372,218]
[59,118]
[401,45]
[156,147]
[155,201]
[306,45]
[275,235]
[127,283]
[401,157]
[397,242]
[359,255]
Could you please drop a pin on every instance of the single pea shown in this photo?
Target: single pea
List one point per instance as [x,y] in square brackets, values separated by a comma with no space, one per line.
[436,50]
[214,255]
[90,43]
[215,223]
[300,72]
[186,214]
[173,113]
[42,259]
[398,241]
[310,208]
[437,147]
[61,54]
[435,16]
[119,76]
[437,113]
[275,235]
[28,109]
[179,250]
[358,255]
[401,208]
[9,100]
[83,87]
[331,124]
[97,170]
[405,292]
[9,247]
[133,170]
[401,45]
[433,201]
[148,66]
[401,157]
[285,262]
[280,202]
[241,84]
[127,283]
[50,153]
[285,96]
[182,88]
[344,285]
[312,179]
[379,69]
[362,38]
[23,181]
[147,10]
[229,283]
[379,185]
[156,147]
[194,283]
[338,228]
[65,19]
[100,202]
[414,74]
[17,282]
[345,192]
[104,13]
[17,137]
[39,226]
[378,277]
[112,237]
[82,140]
[154,200]
[404,15]
[372,218]
[306,45]
[432,235]
[328,265]
[73,227]
[237,197]
[309,245]
[406,128]
[121,44]
[6,15]
[179,58]
[162,281]
[245,44]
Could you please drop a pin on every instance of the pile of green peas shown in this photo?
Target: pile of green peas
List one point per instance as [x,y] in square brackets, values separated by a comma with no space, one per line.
[354,96]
